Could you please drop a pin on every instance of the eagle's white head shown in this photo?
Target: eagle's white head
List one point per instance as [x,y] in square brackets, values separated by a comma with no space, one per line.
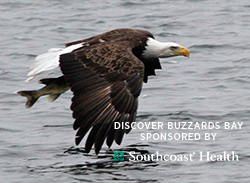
[156,49]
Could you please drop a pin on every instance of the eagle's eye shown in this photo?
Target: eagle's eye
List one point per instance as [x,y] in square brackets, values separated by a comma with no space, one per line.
[173,47]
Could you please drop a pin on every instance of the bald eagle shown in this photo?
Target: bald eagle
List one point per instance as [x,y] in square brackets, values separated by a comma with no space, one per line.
[105,74]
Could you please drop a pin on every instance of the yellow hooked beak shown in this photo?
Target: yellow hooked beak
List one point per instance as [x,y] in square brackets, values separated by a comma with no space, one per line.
[182,51]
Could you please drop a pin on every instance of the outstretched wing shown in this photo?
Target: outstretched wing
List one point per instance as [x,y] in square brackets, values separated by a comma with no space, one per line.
[106,80]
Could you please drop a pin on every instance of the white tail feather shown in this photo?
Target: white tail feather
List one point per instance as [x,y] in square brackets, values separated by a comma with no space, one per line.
[49,60]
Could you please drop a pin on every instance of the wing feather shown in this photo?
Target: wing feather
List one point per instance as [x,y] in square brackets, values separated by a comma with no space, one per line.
[106,81]
[110,135]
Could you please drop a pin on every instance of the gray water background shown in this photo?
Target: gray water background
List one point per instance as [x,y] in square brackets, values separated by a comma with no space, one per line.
[212,85]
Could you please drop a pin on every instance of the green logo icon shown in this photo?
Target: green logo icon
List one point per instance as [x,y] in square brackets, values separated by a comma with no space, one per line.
[118,155]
